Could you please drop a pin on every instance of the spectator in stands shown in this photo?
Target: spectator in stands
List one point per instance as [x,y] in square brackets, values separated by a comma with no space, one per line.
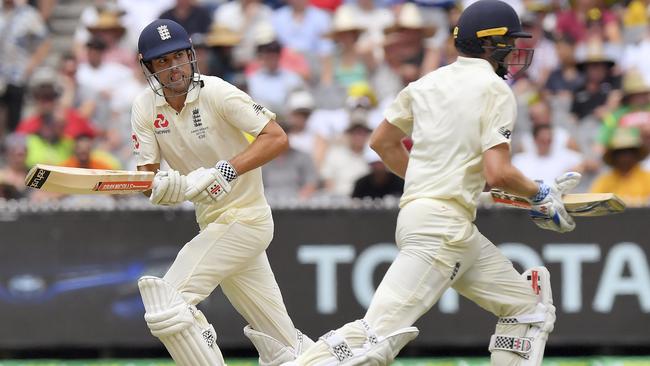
[24,41]
[373,19]
[49,144]
[565,79]
[627,179]
[540,113]
[302,27]
[345,163]
[271,84]
[600,92]
[48,108]
[351,65]
[300,105]
[14,169]
[585,15]
[192,16]
[634,110]
[109,28]
[546,58]
[214,52]
[86,156]
[380,182]
[290,175]
[411,31]
[243,17]
[137,14]
[547,160]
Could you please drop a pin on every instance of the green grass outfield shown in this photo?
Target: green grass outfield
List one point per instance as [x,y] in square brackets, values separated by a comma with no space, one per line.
[576,361]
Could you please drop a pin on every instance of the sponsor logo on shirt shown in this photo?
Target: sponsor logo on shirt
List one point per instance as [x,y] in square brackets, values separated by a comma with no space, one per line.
[505,132]
[161,124]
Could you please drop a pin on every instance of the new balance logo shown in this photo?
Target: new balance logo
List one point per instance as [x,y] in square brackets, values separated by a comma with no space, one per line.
[164,32]
[505,132]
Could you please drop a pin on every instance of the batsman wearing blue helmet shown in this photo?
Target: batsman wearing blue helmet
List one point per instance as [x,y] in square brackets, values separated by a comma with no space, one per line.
[460,118]
[196,123]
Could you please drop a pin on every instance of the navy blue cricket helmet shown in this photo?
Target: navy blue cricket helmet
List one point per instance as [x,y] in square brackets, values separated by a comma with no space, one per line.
[160,37]
[487,25]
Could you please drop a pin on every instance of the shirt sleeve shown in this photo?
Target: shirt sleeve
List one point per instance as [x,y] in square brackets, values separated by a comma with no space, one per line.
[499,116]
[245,114]
[400,113]
[145,145]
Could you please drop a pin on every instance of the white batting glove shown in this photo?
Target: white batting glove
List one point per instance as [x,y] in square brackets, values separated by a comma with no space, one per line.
[168,188]
[210,185]
[548,210]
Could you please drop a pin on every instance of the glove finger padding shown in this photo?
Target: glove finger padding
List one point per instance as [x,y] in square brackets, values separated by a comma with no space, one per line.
[567,181]
[206,186]
[159,187]
[176,190]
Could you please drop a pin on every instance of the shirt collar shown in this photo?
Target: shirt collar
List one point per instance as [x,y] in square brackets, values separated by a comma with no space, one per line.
[192,95]
[474,62]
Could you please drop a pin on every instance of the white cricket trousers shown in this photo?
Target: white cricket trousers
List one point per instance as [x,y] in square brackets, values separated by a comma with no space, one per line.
[231,252]
[440,248]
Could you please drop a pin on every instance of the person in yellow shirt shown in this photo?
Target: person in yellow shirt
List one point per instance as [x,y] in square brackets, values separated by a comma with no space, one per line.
[627,179]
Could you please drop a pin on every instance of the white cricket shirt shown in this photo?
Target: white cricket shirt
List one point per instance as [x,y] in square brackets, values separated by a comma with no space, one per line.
[208,129]
[453,115]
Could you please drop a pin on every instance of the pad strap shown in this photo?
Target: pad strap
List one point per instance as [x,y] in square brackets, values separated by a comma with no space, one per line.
[338,346]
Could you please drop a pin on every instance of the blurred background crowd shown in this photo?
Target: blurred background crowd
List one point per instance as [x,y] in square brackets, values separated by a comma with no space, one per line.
[328,68]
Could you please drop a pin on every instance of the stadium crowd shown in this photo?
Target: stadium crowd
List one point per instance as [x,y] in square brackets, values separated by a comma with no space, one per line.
[328,68]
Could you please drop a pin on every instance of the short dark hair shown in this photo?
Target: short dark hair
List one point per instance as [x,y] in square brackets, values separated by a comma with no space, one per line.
[541,127]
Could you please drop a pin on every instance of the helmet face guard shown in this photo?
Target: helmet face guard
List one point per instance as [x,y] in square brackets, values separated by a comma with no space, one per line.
[158,86]
[512,62]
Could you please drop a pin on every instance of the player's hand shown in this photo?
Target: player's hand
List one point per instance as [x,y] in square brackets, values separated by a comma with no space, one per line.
[168,188]
[210,185]
[548,210]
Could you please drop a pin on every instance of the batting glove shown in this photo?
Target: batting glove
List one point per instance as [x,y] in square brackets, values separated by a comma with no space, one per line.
[210,185]
[168,188]
[548,210]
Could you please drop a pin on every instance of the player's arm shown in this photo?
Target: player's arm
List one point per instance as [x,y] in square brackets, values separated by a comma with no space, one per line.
[270,143]
[500,173]
[386,141]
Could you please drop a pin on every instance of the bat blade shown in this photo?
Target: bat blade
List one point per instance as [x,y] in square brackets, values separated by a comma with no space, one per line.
[576,204]
[87,181]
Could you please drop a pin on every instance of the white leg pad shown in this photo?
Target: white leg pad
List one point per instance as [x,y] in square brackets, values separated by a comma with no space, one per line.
[273,352]
[182,328]
[376,351]
[540,324]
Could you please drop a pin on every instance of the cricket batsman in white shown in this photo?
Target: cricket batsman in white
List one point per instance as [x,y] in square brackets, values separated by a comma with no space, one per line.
[196,123]
[460,118]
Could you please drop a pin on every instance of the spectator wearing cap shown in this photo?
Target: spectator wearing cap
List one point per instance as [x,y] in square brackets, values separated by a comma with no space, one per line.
[14,169]
[271,84]
[344,163]
[243,17]
[301,135]
[373,19]
[214,52]
[379,182]
[408,34]
[627,179]
[600,91]
[350,64]
[634,110]
[109,28]
[289,59]
[48,109]
[192,16]
[565,79]
[25,43]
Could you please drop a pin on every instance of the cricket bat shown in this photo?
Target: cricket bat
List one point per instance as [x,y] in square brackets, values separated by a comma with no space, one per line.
[87,181]
[576,204]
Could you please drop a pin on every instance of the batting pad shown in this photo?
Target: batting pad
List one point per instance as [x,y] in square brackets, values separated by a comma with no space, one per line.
[530,347]
[182,328]
[273,352]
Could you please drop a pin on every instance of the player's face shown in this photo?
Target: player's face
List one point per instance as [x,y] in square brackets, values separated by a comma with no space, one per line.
[174,70]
